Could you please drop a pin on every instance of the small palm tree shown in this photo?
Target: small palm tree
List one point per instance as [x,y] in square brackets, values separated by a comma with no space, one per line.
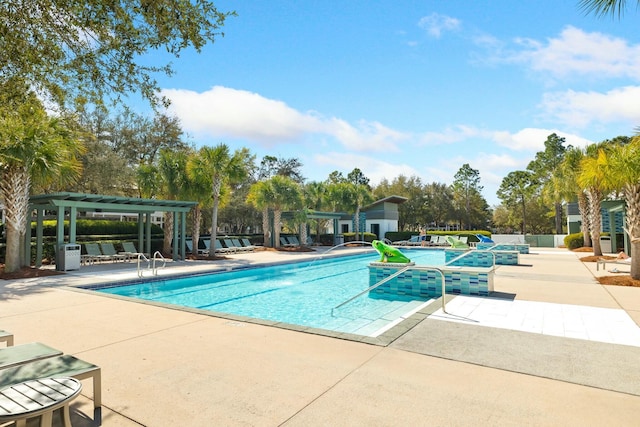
[286,195]
[625,159]
[223,168]
[315,195]
[596,177]
[260,196]
[172,167]
[34,148]
[569,171]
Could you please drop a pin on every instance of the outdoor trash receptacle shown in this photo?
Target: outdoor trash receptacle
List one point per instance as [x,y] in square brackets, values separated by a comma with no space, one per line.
[338,239]
[605,244]
[68,257]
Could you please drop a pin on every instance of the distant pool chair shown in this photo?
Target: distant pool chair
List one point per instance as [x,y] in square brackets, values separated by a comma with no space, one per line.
[484,239]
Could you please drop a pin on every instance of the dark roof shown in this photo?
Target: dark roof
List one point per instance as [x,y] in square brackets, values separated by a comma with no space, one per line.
[391,199]
[90,202]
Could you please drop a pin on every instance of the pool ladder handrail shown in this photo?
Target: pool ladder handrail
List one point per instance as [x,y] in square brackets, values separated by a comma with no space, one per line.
[393,276]
[151,263]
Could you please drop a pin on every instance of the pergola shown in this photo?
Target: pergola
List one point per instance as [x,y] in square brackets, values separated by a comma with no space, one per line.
[72,203]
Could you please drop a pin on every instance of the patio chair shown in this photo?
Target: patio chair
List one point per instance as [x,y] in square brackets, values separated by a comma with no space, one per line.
[110,250]
[229,245]
[130,250]
[239,247]
[6,337]
[221,249]
[247,244]
[189,245]
[95,254]
[63,365]
[294,240]
[24,353]
[604,262]
[285,242]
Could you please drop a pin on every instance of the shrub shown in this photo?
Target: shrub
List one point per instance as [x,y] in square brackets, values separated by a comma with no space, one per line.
[574,241]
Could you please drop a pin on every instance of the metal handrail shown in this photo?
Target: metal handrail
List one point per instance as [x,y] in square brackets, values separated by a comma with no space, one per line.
[164,262]
[151,263]
[394,275]
[140,255]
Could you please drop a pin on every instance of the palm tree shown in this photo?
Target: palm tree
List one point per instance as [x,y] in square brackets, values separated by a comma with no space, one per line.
[604,7]
[286,195]
[361,196]
[260,196]
[172,167]
[568,173]
[595,178]
[315,194]
[625,159]
[198,183]
[34,148]
[223,168]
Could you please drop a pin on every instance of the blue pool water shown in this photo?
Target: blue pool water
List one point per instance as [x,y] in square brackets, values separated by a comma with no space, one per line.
[303,293]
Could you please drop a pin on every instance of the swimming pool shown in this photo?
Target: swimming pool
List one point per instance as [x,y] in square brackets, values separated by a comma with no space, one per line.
[302,293]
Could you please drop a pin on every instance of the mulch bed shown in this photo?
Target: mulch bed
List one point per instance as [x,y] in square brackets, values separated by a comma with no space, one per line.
[27,273]
[620,279]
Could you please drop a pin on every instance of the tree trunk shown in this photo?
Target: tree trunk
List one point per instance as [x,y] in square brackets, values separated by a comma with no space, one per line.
[167,238]
[583,205]
[214,211]
[195,228]
[595,219]
[14,187]
[265,227]
[632,196]
[558,207]
[277,214]
[524,217]
[356,222]
[303,234]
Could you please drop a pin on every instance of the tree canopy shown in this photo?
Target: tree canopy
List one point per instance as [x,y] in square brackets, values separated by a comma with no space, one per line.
[91,50]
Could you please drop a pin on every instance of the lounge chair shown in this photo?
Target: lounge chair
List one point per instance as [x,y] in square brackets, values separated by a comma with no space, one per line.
[6,337]
[189,245]
[24,353]
[247,244]
[239,247]
[110,250]
[604,262]
[285,242]
[64,365]
[223,250]
[130,250]
[294,240]
[437,240]
[95,254]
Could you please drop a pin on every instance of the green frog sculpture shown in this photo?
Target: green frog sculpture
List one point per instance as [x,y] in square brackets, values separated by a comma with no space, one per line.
[389,253]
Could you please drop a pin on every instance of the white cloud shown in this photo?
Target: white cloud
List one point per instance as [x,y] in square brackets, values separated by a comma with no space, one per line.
[435,24]
[374,169]
[580,109]
[532,139]
[576,52]
[227,112]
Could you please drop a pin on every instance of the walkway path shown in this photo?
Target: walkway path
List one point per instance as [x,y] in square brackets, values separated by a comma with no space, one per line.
[168,367]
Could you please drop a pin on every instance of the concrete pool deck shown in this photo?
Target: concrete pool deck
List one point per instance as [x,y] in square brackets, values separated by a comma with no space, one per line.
[168,367]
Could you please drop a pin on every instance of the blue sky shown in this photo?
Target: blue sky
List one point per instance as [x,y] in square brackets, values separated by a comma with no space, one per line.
[410,87]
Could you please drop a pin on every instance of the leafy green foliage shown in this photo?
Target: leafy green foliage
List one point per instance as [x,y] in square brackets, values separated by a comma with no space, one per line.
[574,241]
[91,49]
